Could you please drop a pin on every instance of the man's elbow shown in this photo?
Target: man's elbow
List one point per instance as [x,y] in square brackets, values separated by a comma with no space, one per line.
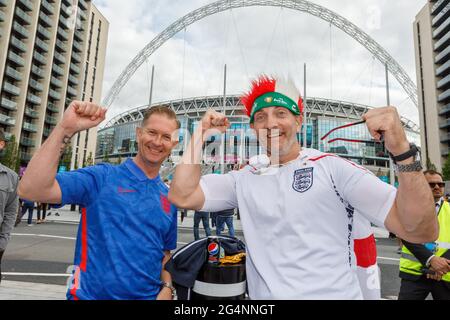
[176,200]
[423,233]
[24,192]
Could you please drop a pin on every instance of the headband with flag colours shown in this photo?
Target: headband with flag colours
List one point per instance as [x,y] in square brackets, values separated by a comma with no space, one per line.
[272,92]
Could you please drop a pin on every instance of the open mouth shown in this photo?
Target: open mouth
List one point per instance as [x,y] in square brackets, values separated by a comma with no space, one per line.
[272,135]
[154,151]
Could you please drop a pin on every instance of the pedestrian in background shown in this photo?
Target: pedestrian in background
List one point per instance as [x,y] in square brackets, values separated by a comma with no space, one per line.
[9,202]
[204,217]
[28,206]
[225,217]
[41,206]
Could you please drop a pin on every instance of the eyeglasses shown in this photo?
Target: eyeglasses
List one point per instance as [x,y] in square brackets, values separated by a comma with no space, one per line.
[434,184]
[345,139]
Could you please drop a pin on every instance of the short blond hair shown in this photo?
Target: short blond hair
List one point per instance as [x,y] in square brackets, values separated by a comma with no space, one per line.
[161,110]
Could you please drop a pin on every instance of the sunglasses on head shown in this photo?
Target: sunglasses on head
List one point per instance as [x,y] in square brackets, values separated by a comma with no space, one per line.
[440,184]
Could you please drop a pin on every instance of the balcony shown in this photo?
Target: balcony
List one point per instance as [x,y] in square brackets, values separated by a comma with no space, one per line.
[29,127]
[63,33]
[82,14]
[25,17]
[54,94]
[438,6]
[27,142]
[442,70]
[444,110]
[56,82]
[73,79]
[44,32]
[82,4]
[47,21]
[51,120]
[39,57]
[7,121]
[47,131]
[71,91]
[8,104]
[33,99]
[61,45]
[53,108]
[10,88]
[25,156]
[444,96]
[42,44]
[74,68]
[3,3]
[36,85]
[18,60]
[65,10]
[58,70]
[444,41]
[2,16]
[16,75]
[441,16]
[21,30]
[77,46]
[28,4]
[18,44]
[47,6]
[8,136]
[60,57]
[445,125]
[31,113]
[38,71]
[76,57]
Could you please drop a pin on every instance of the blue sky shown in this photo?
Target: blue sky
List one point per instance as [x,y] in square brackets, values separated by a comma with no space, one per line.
[255,40]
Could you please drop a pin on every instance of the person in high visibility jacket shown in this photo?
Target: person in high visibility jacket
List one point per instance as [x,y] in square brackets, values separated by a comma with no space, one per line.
[425,268]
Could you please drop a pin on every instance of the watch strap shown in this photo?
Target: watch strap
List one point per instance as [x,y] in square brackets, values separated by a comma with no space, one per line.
[408,154]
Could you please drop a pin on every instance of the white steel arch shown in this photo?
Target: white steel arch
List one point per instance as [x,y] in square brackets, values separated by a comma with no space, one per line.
[300,5]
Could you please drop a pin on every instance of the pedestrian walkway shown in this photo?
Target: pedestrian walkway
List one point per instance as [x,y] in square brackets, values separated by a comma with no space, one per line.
[16,290]
[66,215]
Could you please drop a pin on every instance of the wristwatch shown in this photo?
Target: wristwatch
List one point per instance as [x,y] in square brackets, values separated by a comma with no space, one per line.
[416,166]
[168,285]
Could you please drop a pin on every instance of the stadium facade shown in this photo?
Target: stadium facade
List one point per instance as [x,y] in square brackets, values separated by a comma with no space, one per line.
[117,140]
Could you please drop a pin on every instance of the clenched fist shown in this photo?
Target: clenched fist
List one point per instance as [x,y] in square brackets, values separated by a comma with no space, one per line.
[385,122]
[212,122]
[81,116]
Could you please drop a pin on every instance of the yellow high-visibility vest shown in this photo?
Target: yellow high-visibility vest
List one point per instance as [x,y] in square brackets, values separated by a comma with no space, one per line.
[409,263]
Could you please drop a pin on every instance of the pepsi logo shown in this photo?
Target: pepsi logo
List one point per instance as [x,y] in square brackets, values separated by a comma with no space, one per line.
[213,248]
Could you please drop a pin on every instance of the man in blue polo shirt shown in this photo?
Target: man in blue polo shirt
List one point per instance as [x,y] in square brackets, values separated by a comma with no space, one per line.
[128,226]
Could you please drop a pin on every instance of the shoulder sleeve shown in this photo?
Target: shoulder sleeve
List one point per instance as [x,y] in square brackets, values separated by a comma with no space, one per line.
[365,192]
[82,186]
[219,191]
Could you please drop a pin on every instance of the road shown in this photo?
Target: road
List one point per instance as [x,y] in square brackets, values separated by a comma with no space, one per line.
[43,253]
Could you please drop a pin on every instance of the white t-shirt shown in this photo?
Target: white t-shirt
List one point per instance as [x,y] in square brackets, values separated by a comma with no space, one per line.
[297,223]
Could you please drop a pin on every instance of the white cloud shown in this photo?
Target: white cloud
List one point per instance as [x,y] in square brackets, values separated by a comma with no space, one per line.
[254,40]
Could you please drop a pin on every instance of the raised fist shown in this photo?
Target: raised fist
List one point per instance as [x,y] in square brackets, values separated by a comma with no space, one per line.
[213,122]
[81,116]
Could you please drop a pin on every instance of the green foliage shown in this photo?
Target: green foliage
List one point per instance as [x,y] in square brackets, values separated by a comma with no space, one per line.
[446,169]
[10,155]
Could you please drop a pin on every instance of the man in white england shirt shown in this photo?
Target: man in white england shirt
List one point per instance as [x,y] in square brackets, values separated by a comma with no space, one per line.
[297,213]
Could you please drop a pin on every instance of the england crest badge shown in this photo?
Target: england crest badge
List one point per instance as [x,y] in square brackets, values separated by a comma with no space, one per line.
[303,179]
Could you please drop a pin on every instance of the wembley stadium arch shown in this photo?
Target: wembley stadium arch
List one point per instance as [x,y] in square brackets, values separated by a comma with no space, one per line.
[300,5]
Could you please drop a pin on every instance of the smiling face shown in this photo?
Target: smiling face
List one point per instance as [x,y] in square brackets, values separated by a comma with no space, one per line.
[276,129]
[437,185]
[156,138]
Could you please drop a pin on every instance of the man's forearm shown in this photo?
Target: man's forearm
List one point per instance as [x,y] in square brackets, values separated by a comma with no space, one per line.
[41,171]
[415,205]
[188,172]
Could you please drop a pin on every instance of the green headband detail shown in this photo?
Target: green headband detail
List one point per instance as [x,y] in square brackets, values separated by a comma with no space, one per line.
[274,99]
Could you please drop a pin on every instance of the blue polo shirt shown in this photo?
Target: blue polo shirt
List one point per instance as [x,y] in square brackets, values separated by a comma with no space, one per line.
[126,224]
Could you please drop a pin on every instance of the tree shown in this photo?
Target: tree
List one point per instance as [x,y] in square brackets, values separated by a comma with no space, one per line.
[446,169]
[106,158]
[89,160]
[66,158]
[430,165]
[10,156]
